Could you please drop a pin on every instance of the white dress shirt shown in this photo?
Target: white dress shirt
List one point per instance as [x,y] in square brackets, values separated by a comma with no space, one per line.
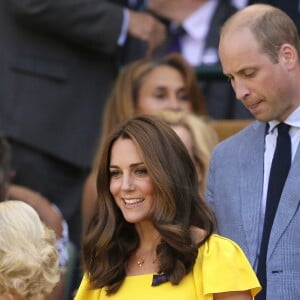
[197,26]
[270,144]
[239,3]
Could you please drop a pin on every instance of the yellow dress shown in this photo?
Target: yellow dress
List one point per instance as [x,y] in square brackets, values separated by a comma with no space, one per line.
[221,266]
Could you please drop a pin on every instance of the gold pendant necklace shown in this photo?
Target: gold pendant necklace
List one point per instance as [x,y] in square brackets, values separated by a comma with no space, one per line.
[140,262]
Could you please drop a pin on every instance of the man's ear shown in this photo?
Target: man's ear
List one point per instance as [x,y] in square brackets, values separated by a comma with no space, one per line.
[288,55]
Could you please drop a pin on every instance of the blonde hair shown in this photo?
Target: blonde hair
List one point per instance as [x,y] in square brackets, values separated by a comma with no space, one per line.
[203,135]
[28,254]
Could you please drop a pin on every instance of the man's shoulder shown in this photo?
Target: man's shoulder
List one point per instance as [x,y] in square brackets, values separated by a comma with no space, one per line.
[250,132]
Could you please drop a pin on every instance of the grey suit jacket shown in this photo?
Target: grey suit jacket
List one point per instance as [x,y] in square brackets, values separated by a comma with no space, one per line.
[57,62]
[234,189]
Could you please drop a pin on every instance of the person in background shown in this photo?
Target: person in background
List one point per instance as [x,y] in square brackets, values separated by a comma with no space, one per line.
[48,213]
[199,137]
[193,30]
[152,233]
[145,86]
[245,170]
[28,255]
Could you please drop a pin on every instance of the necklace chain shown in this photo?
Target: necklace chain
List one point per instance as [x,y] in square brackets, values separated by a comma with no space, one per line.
[140,262]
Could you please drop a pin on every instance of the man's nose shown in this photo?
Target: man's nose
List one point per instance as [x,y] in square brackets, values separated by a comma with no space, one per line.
[241,90]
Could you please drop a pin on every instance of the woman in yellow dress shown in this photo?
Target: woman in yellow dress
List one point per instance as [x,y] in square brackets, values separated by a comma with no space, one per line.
[152,234]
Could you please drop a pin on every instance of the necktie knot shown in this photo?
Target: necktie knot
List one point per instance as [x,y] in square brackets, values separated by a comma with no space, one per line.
[283,128]
[176,33]
[178,30]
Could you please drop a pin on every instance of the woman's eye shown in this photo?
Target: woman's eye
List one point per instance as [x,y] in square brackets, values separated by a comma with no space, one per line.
[141,171]
[115,173]
[183,96]
[159,95]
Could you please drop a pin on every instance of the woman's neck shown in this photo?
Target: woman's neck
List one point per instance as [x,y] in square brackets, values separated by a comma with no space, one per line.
[144,260]
[148,235]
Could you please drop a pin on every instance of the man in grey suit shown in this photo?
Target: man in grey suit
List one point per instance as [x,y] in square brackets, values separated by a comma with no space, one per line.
[57,62]
[259,51]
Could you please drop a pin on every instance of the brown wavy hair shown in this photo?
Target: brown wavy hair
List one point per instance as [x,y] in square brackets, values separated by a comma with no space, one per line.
[111,240]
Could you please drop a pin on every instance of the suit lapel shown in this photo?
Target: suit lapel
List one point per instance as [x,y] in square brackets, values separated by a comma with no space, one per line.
[288,204]
[251,164]
[222,12]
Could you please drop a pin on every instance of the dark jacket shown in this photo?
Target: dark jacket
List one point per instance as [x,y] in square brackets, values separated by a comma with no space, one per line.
[56,67]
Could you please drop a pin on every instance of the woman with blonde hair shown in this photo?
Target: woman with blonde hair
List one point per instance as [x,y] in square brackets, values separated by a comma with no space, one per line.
[199,137]
[49,214]
[28,254]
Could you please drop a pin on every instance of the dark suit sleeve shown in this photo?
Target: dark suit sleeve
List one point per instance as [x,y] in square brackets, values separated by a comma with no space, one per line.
[90,23]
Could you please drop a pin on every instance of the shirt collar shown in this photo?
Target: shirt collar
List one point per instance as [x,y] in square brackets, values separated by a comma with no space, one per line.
[293,120]
[197,24]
